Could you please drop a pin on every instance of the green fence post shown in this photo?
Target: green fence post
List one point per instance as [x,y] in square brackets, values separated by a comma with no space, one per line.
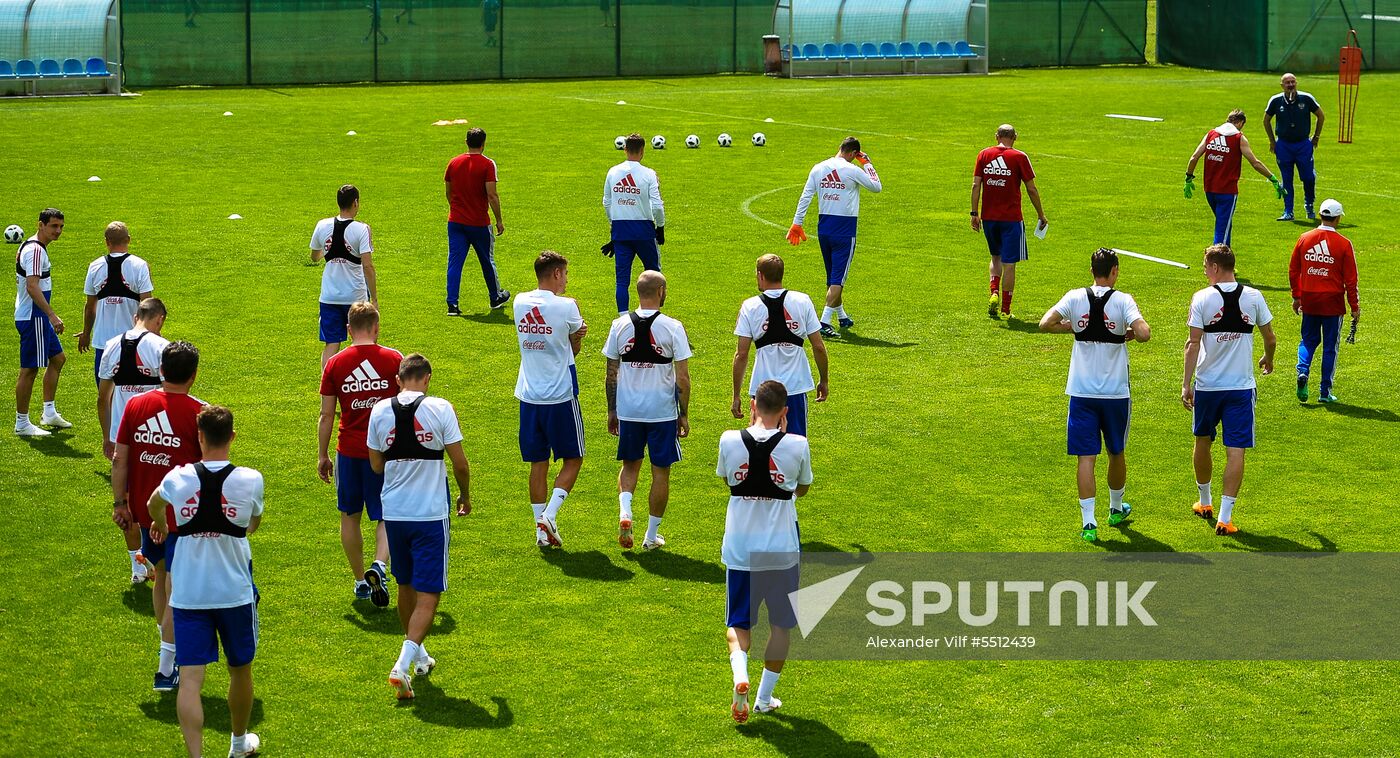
[248,40]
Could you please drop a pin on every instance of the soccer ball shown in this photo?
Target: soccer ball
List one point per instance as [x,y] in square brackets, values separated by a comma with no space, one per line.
[13,234]
[724,140]
[658,142]
[759,140]
[620,142]
[692,141]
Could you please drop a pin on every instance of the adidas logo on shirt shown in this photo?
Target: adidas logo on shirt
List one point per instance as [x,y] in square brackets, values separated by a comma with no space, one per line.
[364,379]
[157,431]
[1218,144]
[832,181]
[1319,253]
[534,323]
[997,167]
[627,185]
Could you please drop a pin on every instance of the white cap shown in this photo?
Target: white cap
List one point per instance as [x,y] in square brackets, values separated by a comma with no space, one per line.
[1330,208]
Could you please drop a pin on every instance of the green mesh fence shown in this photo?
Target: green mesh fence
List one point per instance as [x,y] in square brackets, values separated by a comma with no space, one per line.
[1276,35]
[1067,32]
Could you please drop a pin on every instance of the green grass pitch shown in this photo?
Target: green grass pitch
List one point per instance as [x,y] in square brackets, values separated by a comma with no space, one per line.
[944,432]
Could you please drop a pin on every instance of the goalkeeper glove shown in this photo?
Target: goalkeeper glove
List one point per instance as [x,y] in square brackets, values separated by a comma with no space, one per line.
[608,249]
[1278,188]
[795,235]
[862,159]
[1190,188]
[660,235]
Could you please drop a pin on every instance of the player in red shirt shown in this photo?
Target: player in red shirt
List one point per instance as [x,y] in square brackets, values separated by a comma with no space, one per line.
[996,182]
[471,187]
[157,433]
[1223,148]
[1322,275]
[357,377]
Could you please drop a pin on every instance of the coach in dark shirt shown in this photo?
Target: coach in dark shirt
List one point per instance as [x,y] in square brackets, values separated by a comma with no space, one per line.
[1292,146]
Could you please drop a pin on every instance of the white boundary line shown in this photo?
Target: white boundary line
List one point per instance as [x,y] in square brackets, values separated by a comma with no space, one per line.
[744,206]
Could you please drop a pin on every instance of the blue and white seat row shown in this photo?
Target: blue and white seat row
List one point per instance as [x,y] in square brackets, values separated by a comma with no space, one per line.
[885,50]
[48,68]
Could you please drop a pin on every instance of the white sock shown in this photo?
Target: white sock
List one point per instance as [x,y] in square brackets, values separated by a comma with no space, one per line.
[134,564]
[766,685]
[827,314]
[21,420]
[556,501]
[422,654]
[538,508]
[841,311]
[624,505]
[167,659]
[49,410]
[1204,493]
[237,743]
[1086,510]
[653,523]
[739,664]
[407,656]
[1115,499]
[1227,508]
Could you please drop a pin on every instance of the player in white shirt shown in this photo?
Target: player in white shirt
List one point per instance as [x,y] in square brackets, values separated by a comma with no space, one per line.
[648,387]
[216,505]
[409,436]
[116,283]
[347,247]
[836,183]
[1220,357]
[38,326]
[1102,321]
[550,332]
[762,547]
[779,351]
[632,199]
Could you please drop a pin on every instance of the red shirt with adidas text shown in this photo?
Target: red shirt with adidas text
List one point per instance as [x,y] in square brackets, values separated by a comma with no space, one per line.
[1223,156]
[159,431]
[1322,273]
[1002,171]
[358,377]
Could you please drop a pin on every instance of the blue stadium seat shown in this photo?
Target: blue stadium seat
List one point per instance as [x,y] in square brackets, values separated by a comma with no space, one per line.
[888,50]
[963,49]
[868,50]
[849,50]
[906,50]
[926,50]
[49,67]
[945,50]
[811,52]
[24,68]
[6,70]
[72,67]
[830,50]
[97,67]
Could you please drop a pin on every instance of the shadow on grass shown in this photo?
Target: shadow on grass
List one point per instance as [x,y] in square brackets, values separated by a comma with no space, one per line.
[858,553]
[434,706]
[797,736]
[104,474]
[1024,327]
[1264,543]
[216,716]
[593,564]
[676,566]
[138,598]
[370,618]
[1263,287]
[498,317]
[1142,548]
[1356,411]
[56,445]
[851,338]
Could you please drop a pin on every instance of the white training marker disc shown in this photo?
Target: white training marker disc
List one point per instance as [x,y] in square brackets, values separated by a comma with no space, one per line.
[350,133]
[228,113]
[621,102]
[767,120]
[234,217]
[94,178]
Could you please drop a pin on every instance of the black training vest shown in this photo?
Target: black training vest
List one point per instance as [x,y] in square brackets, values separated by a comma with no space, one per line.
[779,334]
[210,517]
[127,374]
[758,482]
[19,268]
[116,286]
[1231,317]
[339,247]
[406,445]
[1097,330]
[642,351]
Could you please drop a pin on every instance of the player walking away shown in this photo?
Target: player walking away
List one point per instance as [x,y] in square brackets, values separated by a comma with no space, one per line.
[471,188]
[606,7]
[1322,275]
[357,378]
[406,11]
[130,366]
[836,183]
[213,596]
[632,199]
[1220,354]
[761,543]
[158,433]
[38,326]
[490,15]
[1291,145]
[777,322]
[116,283]
[550,330]
[1223,148]
[409,434]
[347,247]
[997,177]
[1102,320]
[648,386]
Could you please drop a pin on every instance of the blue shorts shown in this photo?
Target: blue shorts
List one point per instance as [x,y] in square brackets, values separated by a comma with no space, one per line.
[1233,410]
[334,323]
[97,365]
[357,487]
[659,437]
[546,428]
[198,632]
[1096,421]
[418,553]
[746,590]
[797,414]
[154,553]
[1006,239]
[837,254]
[37,342]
